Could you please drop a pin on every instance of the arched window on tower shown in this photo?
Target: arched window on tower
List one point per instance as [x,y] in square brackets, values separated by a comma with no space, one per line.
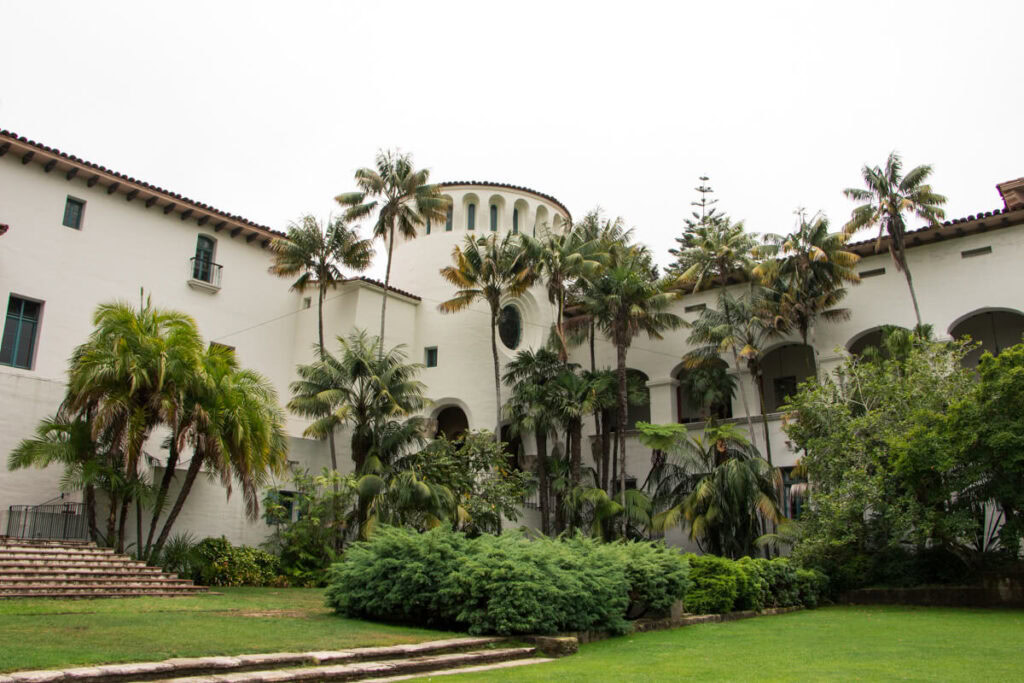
[515,221]
[448,219]
[494,218]
[471,217]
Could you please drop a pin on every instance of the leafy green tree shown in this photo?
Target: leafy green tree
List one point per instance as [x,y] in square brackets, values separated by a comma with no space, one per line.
[625,301]
[860,429]
[806,271]
[705,214]
[887,196]
[492,270]
[403,200]
[715,483]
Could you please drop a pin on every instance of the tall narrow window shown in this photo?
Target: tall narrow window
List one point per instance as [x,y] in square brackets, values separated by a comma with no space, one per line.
[494,218]
[448,220]
[428,226]
[515,221]
[73,210]
[202,265]
[17,347]
[430,356]
[471,217]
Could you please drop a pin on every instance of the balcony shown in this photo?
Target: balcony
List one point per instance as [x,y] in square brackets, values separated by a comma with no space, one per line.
[204,275]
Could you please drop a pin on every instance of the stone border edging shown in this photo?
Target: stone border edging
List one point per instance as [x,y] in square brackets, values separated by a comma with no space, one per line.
[645,625]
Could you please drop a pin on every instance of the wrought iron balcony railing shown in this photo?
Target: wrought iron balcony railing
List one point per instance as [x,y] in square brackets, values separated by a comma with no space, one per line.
[204,274]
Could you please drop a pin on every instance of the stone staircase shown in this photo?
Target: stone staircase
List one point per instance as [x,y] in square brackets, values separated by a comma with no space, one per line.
[389,663]
[39,568]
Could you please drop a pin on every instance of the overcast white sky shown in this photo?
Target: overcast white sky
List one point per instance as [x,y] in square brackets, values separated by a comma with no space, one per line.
[267,109]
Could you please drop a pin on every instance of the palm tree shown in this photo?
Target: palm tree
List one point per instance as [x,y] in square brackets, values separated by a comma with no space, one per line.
[403,200]
[806,271]
[887,196]
[529,410]
[361,387]
[715,483]
[126,379]
[573,397]
[561,259]
[68,441]
[746,323]
[627,300]
[238,434]
[317,256]
[492,270]
[714,253]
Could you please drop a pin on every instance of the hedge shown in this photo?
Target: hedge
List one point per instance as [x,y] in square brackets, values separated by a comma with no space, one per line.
[721,585]
[504,584]
[215,562]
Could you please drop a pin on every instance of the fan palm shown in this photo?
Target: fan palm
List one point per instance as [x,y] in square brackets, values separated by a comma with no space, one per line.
[806,271]
[494,271]
[403,199]
[625,301]
[317,256]
[362,388]
[713,482]
[886,197]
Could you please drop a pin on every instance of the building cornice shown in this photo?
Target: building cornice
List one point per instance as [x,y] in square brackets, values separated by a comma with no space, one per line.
[507,186]
[53,160]
[952,229]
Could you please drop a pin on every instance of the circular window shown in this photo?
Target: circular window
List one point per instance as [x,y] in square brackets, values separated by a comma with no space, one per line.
[510,326]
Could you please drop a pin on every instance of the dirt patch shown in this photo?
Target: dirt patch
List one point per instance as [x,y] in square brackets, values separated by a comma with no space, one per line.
[287,613]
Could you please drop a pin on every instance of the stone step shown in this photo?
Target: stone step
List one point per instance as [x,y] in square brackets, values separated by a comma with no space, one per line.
[72,562]
[55,547]
[16,581]
[508,664]
[31,588]
[68,543]
[271,665]
[27,554]
[139,593]
[42,570]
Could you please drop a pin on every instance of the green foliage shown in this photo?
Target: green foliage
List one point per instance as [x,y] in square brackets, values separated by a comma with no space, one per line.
[503,584]
[754,590]
[782,582]
[884,482]
[178,554]
[310,527]
[812,586]
[218,563]
[716,583]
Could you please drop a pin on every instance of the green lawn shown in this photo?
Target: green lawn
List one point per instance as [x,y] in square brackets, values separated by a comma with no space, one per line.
[43,634]
[836,643]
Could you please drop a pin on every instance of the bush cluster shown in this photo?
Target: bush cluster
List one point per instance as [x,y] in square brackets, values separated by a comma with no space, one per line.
[722,585]
[504,584]
[215,562]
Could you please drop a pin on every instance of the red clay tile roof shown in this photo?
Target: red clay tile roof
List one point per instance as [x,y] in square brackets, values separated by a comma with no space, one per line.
[174,199]
[483,183]
[378,283]
[956,227]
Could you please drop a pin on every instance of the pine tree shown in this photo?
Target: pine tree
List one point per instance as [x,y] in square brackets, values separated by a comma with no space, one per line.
[705,213]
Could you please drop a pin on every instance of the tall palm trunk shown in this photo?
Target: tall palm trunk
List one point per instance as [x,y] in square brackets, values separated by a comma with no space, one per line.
[544,485]
[194,467]
[575,435]
[122,522]
[387,285]
[739,372]
[113,502]
[161,496]
[599,428]
[764,413]
[913,294]
[497,374]
[620,354]
[90,512]
[323,355]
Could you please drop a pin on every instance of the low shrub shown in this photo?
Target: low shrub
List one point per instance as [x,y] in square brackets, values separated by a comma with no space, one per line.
[215,562]
[812,587]
[503,584]
[782,583]
[716,584]
[754,592]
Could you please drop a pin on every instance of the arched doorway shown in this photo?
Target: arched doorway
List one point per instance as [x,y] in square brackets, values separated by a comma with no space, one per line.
[451,423]
[995,329]
[782,370]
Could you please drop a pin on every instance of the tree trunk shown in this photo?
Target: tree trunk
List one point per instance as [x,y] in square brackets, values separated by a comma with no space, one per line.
[913,294]
[497,374]
[620,353]
[161,496]
[606,448]
[194,468]
[764,415]
[90,512]
[615,457]
[576,436]
[113,502]
[602,442]
[542,475]
[138,529]
[323,355]
[387,284]
[122,522]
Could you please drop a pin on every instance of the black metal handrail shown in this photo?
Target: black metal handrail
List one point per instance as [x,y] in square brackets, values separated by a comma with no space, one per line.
[205,270]
[50,520]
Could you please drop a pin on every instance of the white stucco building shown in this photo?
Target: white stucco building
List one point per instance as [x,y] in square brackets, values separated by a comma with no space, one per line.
[78,234]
